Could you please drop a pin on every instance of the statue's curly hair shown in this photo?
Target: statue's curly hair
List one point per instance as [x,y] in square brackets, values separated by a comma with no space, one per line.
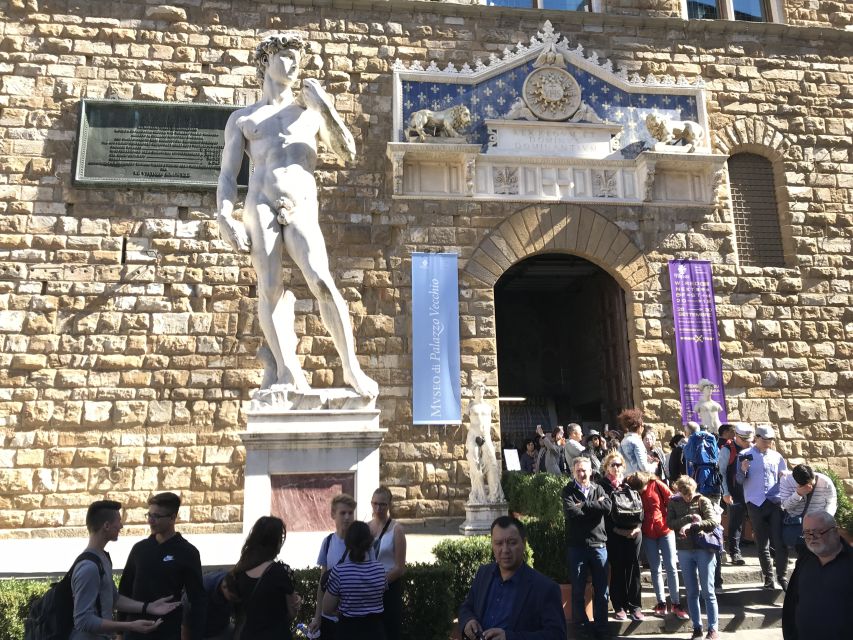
[272,44]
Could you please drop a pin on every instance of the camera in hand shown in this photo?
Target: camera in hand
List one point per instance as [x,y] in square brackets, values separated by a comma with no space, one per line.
[746,456]
[480,441]
[478,635]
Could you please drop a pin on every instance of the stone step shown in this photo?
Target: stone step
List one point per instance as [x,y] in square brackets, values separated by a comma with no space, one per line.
[731,619]
[747,593]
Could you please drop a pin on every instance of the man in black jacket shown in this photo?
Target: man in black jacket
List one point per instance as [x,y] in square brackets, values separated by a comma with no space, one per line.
[508,599]
[164,564]
[585,504]
[817,602]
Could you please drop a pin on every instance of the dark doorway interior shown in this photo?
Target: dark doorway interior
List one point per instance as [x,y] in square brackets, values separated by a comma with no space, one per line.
[562,345]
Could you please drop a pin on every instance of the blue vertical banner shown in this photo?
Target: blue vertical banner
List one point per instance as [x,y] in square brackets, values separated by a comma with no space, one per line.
[697,343]
[436,392]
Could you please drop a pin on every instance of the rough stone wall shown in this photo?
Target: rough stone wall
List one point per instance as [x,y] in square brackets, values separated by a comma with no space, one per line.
[819,13]
[126,324]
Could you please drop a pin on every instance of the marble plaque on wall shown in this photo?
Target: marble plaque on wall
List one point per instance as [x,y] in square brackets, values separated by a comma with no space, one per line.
[302,499]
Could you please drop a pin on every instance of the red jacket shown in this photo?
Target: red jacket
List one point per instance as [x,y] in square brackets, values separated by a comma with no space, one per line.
[655,500]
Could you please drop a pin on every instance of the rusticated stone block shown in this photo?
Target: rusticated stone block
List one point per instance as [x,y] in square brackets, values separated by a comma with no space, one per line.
[45,518]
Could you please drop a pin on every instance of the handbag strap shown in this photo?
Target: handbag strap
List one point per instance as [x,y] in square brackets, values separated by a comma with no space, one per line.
[379,539]
[258,582]
[809,499]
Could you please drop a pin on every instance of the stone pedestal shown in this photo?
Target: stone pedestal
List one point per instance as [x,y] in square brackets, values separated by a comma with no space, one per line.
[479,517]
[309,442]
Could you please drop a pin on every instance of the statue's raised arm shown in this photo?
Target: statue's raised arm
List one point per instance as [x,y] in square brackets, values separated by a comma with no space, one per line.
[333,131]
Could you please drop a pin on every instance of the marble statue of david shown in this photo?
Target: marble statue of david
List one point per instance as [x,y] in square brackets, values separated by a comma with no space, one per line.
[279,134]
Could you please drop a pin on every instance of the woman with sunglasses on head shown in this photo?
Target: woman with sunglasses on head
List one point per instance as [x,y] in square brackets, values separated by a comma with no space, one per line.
[266,601]
[624,538]
[389,545]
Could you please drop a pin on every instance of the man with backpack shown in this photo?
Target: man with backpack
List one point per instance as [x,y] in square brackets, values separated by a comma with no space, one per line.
[80,606]
[701,456]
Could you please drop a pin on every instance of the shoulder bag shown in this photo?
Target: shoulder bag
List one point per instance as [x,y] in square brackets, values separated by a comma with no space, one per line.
[792,526]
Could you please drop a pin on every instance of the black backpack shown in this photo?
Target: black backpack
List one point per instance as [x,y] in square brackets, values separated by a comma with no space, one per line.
[627,511]
[51,616]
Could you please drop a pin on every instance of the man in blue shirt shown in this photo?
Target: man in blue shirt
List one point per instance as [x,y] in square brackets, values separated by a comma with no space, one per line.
[508,599]
[760,469]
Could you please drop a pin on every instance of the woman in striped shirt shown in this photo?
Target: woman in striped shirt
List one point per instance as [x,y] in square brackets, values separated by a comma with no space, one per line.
[355,589]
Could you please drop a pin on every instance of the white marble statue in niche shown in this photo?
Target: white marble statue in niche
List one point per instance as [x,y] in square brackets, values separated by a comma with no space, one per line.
[480,452]
[427,124]
[708,409]
[279,133]
[685,135]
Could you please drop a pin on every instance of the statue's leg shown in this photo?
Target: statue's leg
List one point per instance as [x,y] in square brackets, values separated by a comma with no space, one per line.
[275,306]
[305,245]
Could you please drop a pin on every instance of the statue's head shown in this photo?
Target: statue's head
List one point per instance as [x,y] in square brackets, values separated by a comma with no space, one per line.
[274,43]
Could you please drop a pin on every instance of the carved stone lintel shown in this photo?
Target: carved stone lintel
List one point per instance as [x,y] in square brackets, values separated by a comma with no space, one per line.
[604,184]
[506,181]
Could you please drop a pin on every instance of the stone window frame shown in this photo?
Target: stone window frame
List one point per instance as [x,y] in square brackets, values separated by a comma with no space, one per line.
[775,9]
[739,219]
[752,134]
[592,6]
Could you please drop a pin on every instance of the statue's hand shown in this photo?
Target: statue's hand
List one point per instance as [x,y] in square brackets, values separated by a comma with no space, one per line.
[234,234]
[314,96]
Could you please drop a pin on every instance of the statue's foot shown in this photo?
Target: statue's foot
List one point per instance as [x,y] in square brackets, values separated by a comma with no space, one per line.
[362,384]
[296,383]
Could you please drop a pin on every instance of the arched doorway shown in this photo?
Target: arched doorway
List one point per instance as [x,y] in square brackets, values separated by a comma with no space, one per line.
[562,345]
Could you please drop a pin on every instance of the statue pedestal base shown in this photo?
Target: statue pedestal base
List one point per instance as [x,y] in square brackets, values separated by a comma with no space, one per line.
[285,447]
[479,517]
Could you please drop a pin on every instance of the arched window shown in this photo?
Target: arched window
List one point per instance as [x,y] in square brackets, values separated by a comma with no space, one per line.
[756,214]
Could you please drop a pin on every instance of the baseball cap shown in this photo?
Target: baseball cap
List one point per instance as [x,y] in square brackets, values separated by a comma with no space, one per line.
[744,430]
[765,431]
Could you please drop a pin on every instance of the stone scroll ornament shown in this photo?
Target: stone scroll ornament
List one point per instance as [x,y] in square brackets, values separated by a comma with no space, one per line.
[480,452]
[279,133]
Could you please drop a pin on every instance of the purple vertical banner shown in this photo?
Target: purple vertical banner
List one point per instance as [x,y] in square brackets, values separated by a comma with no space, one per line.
[697,343]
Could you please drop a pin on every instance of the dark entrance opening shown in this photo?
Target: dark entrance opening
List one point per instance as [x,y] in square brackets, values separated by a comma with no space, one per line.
[562,343]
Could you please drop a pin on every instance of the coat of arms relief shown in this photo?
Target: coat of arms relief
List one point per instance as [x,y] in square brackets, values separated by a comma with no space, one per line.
[549,122]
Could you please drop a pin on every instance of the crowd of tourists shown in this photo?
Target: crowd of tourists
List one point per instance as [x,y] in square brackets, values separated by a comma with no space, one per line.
[628,504]
[625,504]
[163,594]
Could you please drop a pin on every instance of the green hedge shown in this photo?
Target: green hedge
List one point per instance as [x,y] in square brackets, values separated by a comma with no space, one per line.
[15,596]
[844,513]
[428,608]
[536,495]
[538,498]
[547,538]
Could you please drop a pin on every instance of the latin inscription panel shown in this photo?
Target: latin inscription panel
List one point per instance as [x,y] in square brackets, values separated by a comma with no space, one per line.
[134,143]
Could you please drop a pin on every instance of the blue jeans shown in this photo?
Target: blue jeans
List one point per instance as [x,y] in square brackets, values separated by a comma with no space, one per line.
[581,561]
[655,548]
[701,563]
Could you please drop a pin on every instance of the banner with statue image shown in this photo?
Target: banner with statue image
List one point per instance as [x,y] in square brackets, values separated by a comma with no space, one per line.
[697,342]
[436,391]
